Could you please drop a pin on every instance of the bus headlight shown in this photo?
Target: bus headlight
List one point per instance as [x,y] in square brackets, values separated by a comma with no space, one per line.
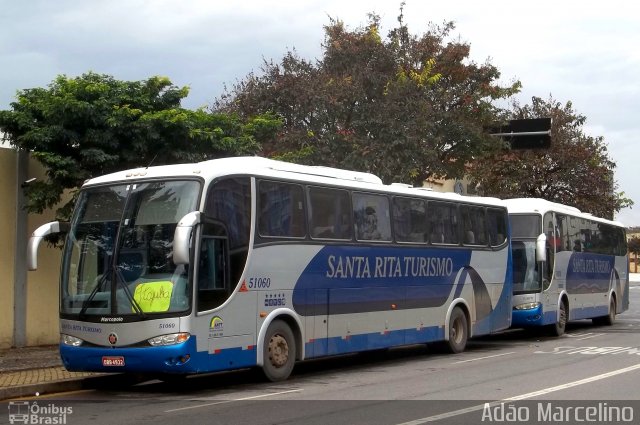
[169,339]
[70,340]
[526,306]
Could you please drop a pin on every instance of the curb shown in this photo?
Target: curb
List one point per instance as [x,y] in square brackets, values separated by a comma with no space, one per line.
[74,384]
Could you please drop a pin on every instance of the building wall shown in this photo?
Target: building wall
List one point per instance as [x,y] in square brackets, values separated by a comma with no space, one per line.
[7,251]
[41,315]
[42,325]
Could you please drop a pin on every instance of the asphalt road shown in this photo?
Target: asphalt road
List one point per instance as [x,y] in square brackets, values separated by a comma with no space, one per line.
[589,371]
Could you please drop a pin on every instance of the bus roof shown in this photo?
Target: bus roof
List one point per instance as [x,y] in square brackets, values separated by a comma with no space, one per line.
[542,206]
[264,167]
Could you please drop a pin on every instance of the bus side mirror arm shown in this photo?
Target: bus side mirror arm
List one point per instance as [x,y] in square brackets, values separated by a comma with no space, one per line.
[38,236]
[541,248]
[182,237]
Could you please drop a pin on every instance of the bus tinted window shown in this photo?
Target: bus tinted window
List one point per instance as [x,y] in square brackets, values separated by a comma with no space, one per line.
[443,223]
[281,210]
[229,202]
[497,221]
[473,225]
[410,220]
[371,215]
[525,226]
[329,214]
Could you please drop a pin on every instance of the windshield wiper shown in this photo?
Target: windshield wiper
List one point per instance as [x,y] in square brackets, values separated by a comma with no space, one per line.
[85,303]
[118,278]
[134,304]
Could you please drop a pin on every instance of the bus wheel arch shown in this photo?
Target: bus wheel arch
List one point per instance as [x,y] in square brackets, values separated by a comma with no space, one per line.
[279,345]
[610,318]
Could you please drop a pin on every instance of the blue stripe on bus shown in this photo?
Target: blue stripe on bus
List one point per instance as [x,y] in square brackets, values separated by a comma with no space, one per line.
[372,341]
[430,273]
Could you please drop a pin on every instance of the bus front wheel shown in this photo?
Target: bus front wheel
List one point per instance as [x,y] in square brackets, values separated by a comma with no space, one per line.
[279,351]
[559,327]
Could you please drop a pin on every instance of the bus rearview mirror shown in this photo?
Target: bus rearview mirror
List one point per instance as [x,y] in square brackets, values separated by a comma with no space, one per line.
[182,237]
[541,248]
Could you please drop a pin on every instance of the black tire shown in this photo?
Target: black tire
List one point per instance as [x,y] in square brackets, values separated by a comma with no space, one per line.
[558,328]
[458,332]
[279,351]
[610,318]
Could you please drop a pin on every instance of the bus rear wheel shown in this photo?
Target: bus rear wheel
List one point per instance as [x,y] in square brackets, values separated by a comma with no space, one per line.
[279,351]
[610,318]
[458,332]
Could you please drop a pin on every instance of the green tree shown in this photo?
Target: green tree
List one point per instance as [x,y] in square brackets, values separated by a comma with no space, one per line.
[576,170]
[94,124]
[405,107]
[634,249]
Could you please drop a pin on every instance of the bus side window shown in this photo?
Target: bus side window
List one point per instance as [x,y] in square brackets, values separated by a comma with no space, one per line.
[497,226]
[409,220]
[329,213]
[443,222]
[372,217]
[281,210]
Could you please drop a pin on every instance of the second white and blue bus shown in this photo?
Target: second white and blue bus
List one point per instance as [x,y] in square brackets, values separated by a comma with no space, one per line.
[567,265]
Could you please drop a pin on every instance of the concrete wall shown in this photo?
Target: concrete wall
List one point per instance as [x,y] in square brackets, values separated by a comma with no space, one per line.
[37,305]
[42,326]
[7,252]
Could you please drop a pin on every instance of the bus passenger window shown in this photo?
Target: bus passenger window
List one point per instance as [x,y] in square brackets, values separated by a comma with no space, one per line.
[329,213]
[474,225]
[577,246]
[497,220]
[281,210]
[443,222]
[372,220]
[409,220]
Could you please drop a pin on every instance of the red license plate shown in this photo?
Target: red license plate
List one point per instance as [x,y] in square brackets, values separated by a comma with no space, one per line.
[112,361]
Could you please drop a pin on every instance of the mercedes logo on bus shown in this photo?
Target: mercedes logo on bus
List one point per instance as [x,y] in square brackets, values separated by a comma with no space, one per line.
[113,338]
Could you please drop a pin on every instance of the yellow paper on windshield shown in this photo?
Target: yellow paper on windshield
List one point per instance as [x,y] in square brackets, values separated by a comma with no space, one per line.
[153,297]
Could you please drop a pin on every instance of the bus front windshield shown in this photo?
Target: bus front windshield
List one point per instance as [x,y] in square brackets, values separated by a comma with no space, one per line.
[118,254]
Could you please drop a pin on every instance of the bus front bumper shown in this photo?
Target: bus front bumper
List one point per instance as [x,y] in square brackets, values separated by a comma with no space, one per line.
[179,358]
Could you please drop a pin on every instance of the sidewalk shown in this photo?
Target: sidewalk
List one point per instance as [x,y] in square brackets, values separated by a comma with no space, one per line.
[30,370]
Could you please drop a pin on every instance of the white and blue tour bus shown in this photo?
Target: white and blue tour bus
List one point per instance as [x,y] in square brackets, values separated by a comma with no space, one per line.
[250,262]
[567,265]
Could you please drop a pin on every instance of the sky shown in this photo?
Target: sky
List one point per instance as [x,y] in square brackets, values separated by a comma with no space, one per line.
[586,52]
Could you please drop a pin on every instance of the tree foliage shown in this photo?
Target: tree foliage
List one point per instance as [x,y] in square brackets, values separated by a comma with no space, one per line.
[634,246]
[405,107]
[94,124]
[575,171]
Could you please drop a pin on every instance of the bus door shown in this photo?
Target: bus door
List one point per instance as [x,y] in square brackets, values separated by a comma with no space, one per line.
[228,326]
[557,259]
